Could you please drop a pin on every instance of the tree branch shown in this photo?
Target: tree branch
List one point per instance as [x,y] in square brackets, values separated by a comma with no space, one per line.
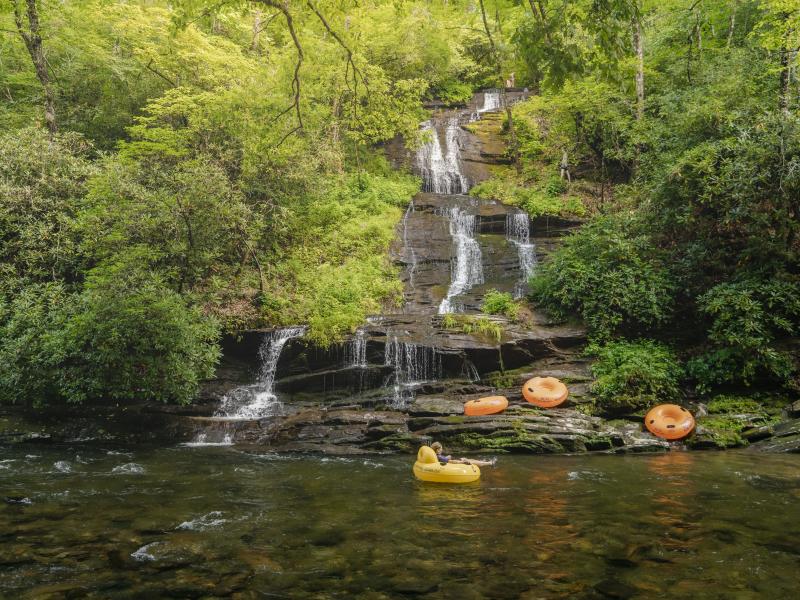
[295,105]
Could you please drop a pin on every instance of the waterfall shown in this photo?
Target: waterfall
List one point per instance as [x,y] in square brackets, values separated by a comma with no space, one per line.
[356,351]
[258,400]
[518,233]
[491,102]
[411,364]
[467,267]
[408,251]
[441,170]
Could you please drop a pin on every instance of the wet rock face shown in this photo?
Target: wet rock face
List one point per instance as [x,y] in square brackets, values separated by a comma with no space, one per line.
[785,437]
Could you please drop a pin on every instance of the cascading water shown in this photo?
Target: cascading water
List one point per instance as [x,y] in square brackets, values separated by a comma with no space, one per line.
[491,103]
[356,351]
[409,253]
[467,267]
[518,227]
[441,170]
[258,400]
[411,364]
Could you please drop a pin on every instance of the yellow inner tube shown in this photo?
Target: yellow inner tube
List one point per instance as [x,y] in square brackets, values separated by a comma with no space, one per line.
[428,468]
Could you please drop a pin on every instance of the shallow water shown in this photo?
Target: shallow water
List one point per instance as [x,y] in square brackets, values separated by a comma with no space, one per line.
[215,521]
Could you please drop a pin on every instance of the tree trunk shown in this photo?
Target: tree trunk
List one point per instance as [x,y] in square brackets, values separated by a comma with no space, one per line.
[732,22]
[639,48]
[33,42]
[785,81]
[256,30]
[513,145]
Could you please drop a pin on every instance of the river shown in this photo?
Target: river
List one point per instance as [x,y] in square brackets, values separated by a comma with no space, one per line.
[87,521]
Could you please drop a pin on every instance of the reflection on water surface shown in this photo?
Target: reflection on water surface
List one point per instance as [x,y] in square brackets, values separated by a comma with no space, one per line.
[208,522]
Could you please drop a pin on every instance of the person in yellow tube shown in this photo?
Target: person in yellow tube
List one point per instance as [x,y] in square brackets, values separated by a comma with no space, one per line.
[437,447]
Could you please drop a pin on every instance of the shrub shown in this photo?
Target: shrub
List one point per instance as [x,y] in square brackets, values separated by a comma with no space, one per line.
[500,303]
[749,318]
[536,202]
[42,181]
[30,352]
[607,274]
[634,375]
[130,337]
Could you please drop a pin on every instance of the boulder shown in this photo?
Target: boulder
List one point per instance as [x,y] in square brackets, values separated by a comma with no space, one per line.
[785,438]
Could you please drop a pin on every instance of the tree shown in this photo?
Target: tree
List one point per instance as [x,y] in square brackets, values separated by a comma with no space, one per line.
[28,27]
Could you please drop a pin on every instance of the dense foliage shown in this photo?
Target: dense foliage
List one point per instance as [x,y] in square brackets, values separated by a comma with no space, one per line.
[634,375]
[500,303]
[171,171]
[689,162]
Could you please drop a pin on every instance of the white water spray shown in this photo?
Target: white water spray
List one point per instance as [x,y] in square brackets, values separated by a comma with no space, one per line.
[491,103]
[258,400]
[411,364]
[356,351]
[467,267]
[440,168]
[518,233]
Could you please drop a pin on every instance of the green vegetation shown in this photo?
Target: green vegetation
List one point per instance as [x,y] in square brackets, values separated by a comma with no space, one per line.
[470,324]
[632,376]
[537,202]
[172,171]
[500,303]
[606,272]
[689,168]
[730,417]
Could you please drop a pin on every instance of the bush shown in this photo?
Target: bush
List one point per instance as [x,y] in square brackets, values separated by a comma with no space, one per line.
[31,354]
[608,274]
[536,202]
[500,303]
[634,375]
[749,319]
[42,182]
[129,337]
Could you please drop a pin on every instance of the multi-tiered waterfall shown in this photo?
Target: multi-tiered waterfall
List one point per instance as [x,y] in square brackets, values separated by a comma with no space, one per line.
[454,248]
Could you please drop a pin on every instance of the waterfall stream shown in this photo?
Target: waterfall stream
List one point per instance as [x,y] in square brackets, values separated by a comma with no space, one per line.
[411,364]
[356,351]
[518,226]
[467,266]
[258,400]
[491,103]
[409,254]
[440,169]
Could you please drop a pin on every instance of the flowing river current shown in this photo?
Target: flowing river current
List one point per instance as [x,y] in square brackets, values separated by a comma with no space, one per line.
[95,522]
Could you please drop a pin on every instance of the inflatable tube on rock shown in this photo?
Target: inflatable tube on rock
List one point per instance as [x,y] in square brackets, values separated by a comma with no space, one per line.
[428,468]
[669,421]
[486,406]
[546,392]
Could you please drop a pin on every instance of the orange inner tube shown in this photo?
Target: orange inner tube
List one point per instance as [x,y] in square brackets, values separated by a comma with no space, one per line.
[546,392]
[486,406]
[669,421]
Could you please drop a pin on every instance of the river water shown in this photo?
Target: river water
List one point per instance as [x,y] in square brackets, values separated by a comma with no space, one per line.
[212,522]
